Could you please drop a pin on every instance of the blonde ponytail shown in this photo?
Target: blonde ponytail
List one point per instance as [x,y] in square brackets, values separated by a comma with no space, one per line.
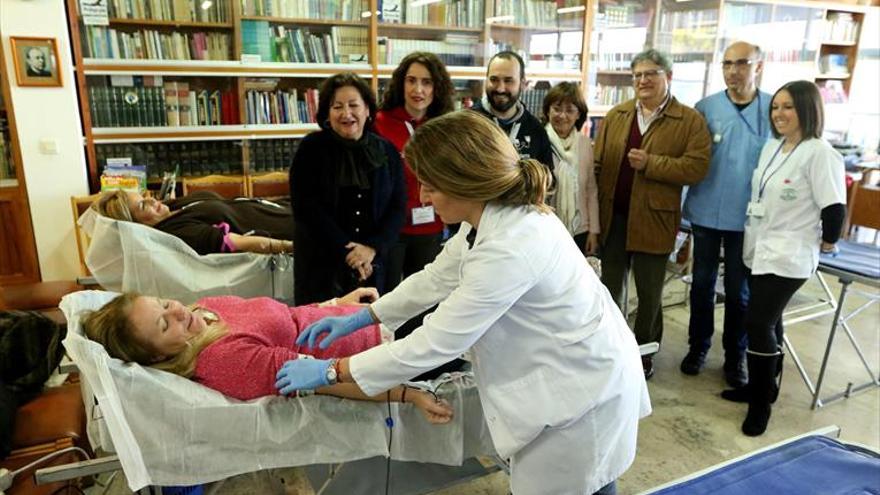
[531,188]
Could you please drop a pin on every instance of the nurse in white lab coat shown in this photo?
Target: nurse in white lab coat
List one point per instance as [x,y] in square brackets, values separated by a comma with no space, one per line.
[558,370]
[796,209]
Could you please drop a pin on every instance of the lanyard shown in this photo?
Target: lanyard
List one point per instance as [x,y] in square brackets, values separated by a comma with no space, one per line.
[745,121]
[409,127]
[762,183]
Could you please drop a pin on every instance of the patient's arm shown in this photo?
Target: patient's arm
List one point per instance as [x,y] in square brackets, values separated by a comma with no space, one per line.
[436,412]
[259,244]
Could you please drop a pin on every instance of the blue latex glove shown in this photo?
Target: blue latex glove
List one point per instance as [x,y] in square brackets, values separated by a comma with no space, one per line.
[338,326]
[302,374]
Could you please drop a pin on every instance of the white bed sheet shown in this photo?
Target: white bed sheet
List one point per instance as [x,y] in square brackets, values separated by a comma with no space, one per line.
[127,256]
[168,430]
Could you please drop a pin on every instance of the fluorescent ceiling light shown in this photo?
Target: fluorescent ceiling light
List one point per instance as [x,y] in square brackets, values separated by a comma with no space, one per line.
[501,18]
[569,10]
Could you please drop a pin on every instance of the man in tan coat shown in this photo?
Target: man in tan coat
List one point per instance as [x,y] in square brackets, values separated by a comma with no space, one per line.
[646,150]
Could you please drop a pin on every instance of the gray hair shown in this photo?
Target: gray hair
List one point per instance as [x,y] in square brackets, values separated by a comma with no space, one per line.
[652,55]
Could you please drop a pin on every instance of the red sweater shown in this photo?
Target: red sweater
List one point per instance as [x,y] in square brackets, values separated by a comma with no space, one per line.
[261,338]
[390,125]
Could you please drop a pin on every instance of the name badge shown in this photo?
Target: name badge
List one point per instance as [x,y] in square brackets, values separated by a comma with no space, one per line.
[716,138]
[423,214]
[756,209]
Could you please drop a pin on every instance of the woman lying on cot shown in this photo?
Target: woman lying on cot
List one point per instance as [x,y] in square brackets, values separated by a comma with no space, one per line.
[206,221]
[235,345]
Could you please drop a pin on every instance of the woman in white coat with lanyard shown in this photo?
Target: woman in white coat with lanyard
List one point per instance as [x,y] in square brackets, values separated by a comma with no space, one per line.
[558,370]
[796,209]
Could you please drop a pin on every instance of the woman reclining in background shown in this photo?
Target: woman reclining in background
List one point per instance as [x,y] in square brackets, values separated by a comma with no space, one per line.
[206,221]
[236,346]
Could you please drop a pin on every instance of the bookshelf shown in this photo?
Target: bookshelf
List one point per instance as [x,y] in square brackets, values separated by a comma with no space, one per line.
[245,72]
[801,40]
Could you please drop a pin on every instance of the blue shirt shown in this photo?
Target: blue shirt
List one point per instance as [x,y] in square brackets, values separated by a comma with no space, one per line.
[719,201]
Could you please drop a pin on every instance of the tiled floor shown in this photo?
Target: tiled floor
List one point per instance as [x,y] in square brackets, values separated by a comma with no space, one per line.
[692,427]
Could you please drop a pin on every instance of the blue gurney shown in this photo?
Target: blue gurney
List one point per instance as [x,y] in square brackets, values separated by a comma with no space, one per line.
[855,262]
[808,464]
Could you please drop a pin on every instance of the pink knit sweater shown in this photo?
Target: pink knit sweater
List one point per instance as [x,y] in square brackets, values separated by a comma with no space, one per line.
[261,338]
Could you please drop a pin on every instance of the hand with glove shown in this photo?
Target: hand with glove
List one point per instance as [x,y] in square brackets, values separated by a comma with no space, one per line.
[337,326]
[302,374]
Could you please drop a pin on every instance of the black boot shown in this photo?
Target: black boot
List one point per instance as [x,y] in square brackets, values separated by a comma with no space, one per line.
[762,390]
[742,394]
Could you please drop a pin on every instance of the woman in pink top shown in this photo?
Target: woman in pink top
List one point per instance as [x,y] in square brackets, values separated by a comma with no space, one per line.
[235,345]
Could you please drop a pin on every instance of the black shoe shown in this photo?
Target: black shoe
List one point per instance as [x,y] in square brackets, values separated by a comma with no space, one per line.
[737,394]
[693,362]
[757,418]
[735,371]
[648,366]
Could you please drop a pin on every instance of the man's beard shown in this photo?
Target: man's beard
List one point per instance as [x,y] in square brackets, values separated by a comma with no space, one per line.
[502,107]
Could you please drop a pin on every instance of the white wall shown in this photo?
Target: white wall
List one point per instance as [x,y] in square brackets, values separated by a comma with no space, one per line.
[48,113]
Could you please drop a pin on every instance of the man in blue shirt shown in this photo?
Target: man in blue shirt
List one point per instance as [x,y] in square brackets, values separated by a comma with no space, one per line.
[739,121]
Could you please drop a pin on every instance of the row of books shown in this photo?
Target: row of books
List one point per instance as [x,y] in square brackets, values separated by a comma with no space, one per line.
[170,10]
[455,13]
[454,50]
[282,107]
[103,42]
[345,10]
[533,99]
[342,44]
[173,104]
[193,158]
[202,157]
[6,169]
[611,95]
[271,155]
[538,13]
[841,26]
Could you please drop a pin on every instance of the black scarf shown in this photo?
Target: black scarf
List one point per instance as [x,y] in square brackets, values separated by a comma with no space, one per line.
[358,159]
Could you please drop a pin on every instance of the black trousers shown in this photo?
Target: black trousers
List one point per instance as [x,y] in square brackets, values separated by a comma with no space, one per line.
[409,255]
[769,296]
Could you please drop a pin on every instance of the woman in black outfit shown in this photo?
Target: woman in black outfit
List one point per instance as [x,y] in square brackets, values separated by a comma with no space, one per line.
[348,195]
[206,221]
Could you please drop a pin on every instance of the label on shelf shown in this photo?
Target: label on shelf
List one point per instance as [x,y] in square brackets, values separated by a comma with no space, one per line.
[250,58]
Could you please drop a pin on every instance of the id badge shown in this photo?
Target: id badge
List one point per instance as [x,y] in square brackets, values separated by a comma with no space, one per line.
[756,209]
[423,214]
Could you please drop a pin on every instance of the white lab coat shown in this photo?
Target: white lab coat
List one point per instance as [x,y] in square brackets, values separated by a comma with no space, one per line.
[785,241]
[549,346]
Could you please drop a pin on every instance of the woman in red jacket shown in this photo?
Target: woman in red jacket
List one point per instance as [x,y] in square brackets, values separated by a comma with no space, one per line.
[420,89]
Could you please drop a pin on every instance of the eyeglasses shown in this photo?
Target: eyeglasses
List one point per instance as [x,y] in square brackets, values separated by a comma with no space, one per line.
[736,64]
[570,109]
[648,74]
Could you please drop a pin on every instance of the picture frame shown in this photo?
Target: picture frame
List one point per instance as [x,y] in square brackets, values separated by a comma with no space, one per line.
[36,61]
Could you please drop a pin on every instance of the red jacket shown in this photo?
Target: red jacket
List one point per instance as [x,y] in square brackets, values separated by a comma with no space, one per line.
[390,125]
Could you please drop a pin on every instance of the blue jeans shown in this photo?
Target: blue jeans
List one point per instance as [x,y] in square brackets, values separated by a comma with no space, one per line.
[707,248]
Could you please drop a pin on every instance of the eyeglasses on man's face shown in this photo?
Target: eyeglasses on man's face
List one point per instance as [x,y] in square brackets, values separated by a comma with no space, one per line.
[738,64]
[648,74]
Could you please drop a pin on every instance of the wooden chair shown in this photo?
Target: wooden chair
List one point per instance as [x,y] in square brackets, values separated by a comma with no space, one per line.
[79,205]
[863,209]
[228,186]
[273,185]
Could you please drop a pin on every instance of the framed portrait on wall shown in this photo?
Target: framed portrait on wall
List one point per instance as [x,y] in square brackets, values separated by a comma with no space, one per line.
[36,61]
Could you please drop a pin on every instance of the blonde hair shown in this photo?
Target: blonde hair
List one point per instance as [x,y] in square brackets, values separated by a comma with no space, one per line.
[465,155]
[111,327]
[114,204]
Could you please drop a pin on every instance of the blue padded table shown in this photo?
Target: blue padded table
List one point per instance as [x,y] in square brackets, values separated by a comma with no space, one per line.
[805,465]
[853,263]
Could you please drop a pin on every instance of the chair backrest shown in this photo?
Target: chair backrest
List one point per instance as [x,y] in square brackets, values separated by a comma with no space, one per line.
[864,208]
[79,205]
[228,186]
[269,186]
